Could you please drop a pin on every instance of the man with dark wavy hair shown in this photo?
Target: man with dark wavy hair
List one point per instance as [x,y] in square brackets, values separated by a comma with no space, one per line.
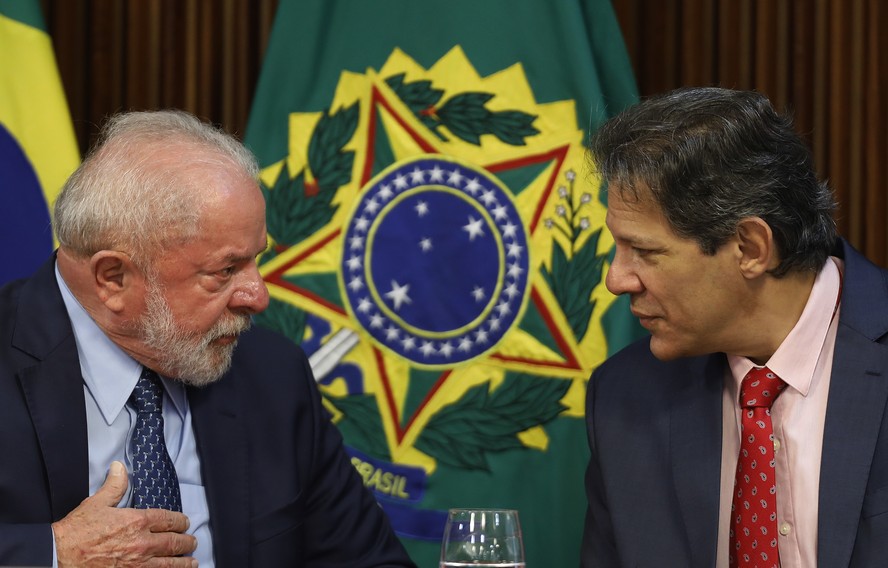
[142,421]
[726,244]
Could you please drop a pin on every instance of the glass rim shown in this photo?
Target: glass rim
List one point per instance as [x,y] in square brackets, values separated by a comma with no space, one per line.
[482,510]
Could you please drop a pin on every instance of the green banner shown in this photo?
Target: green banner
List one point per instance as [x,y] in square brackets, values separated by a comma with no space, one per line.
[438,245]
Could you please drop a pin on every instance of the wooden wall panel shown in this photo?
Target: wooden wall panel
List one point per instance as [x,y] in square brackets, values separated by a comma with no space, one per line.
[203,56]
[876,137]
[695,45]
[824,60]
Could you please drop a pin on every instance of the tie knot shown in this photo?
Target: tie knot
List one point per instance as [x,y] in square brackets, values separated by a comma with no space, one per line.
[148,394]
[760,388]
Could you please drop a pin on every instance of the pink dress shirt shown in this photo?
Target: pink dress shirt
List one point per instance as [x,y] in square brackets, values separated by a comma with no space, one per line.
[803,360]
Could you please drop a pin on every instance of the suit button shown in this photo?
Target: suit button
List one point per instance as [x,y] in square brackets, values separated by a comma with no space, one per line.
[776,445]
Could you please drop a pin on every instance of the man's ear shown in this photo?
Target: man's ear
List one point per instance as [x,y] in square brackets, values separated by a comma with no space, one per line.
[115,278]
[758,251]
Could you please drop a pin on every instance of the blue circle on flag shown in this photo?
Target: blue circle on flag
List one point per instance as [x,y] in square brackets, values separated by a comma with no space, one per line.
[435,261]
[25,228]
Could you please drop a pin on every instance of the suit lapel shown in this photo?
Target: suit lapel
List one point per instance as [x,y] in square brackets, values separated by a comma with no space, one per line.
[857,396]
[49,375]
[695,437]
[221,444]
[56,405]
[858,392]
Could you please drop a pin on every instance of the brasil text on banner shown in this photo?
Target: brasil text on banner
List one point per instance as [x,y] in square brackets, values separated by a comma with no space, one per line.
[438,245]
[38,150]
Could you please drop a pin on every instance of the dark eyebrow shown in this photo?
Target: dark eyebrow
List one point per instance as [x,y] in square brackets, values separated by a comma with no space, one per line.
[635,241]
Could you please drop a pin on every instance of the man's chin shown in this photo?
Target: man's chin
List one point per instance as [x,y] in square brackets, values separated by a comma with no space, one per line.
[207,373]
[666,350]
[201,381]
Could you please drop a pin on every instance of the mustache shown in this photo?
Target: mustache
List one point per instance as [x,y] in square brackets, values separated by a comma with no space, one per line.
[235,325]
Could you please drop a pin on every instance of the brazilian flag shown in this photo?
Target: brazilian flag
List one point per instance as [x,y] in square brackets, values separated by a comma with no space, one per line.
[38,150]
[439,247]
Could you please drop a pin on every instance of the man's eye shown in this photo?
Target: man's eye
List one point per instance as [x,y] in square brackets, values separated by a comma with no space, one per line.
[642,251]
[227,271]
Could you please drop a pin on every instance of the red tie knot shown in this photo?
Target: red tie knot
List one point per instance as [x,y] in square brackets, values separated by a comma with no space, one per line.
[760,388]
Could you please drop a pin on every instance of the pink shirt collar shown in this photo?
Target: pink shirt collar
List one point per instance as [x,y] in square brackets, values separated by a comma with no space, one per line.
[795,359]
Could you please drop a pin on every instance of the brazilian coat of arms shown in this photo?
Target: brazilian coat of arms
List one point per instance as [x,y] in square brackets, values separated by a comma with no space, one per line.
[438,252]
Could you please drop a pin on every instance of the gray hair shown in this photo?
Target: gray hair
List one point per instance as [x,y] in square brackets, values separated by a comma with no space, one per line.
[133,192]
[710,157]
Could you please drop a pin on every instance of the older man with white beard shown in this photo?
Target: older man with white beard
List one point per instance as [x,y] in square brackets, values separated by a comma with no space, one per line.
[130,384]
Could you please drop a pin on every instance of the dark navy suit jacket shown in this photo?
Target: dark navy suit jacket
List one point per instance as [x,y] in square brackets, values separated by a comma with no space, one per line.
[655,433]
[280,488]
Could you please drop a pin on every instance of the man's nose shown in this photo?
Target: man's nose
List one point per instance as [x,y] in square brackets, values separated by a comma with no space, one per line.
[621,278]
[251,294]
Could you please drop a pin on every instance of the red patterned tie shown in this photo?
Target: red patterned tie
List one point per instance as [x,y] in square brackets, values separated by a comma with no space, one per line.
[754,508]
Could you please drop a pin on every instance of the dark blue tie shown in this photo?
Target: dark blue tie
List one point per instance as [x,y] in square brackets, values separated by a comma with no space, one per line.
[155,484]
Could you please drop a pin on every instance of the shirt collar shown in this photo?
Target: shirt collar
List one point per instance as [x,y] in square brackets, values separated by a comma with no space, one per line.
[796,358]
[109,373]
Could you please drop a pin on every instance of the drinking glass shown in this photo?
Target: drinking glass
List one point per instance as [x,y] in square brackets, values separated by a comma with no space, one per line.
[482,537]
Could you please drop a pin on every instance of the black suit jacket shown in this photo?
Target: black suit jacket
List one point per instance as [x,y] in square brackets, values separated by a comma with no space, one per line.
[655,431]
[280,488]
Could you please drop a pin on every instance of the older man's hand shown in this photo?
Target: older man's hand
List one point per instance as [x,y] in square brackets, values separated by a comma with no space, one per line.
[97,533]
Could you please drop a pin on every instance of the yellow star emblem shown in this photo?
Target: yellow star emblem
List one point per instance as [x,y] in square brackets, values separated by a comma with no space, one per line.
[399,118]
